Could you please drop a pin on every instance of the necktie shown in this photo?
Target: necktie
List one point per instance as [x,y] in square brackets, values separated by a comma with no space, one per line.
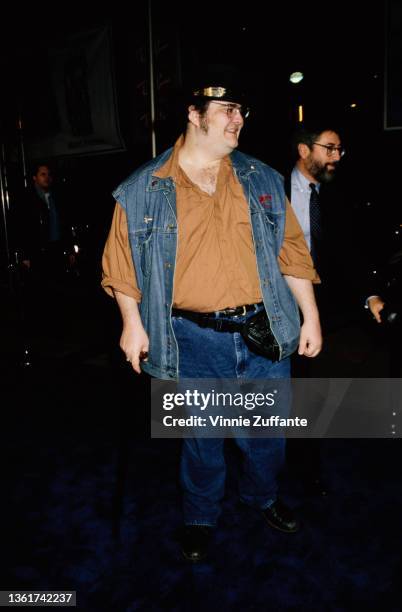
[315,222]
[54,223]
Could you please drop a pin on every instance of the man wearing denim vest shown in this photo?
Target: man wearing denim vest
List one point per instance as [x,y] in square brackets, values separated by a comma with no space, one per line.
[203,236]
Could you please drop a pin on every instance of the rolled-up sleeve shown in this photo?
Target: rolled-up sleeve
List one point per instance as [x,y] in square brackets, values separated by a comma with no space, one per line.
[294,258]
[118,273]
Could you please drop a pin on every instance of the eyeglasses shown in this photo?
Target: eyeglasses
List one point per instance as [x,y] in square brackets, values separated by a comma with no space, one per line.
[230,109]
[331,149]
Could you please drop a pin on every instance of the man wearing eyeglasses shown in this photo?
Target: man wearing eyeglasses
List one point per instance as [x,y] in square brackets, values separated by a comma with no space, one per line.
[318,151]
[318,154]
[203,239]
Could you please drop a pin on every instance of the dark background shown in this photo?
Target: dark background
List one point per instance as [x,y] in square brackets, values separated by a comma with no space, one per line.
[343,54]
[90,502]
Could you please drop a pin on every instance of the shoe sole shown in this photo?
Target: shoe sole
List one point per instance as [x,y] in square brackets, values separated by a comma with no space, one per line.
[295,530]
[191,559]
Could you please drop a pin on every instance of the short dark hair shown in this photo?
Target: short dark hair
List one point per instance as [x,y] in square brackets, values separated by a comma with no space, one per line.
[36,165]
[308,133]
[200,104]
[181,101]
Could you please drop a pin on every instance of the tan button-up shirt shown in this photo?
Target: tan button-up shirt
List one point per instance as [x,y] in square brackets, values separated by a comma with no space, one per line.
[216,266]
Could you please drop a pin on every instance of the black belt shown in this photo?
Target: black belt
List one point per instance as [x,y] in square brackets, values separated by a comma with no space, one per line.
[210,319]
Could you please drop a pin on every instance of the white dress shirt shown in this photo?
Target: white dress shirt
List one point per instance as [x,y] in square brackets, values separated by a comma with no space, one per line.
[300,200]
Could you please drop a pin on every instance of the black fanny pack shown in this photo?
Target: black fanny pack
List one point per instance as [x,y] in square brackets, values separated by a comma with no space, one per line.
[256,331]
[258,336]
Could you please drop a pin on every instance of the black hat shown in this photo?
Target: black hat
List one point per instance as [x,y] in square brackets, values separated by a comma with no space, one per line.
[220,92]
[219,82]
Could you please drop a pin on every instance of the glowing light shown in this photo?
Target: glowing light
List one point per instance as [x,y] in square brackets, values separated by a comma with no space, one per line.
[300,113]
[296,77]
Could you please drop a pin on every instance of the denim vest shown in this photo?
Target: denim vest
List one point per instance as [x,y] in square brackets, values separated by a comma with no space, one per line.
[150,205]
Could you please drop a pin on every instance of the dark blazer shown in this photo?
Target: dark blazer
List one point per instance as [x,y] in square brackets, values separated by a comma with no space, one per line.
[339,260]
[30,224]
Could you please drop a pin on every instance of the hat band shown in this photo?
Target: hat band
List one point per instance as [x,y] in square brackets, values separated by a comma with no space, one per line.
[211,92]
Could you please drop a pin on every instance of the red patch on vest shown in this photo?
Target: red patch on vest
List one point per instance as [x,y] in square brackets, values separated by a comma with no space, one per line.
[265,200]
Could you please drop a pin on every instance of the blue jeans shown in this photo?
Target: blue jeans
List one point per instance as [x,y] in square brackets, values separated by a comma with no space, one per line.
[206,353]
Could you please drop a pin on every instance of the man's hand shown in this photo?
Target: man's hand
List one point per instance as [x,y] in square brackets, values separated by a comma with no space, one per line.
[134,340]
[310,339]
[135,344]
[310,334]
[375,305]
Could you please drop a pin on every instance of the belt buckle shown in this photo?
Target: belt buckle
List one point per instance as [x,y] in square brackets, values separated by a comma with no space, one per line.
[233,312]
[239,314]
[242,313]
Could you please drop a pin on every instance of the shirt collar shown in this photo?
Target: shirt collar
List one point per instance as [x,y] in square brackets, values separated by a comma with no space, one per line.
[44,195]
[301,182]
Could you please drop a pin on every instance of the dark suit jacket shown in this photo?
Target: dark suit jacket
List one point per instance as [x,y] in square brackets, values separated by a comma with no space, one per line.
[340,257]
[30,225]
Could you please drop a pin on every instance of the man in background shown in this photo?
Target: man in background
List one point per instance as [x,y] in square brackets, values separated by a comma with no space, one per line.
[318,151]
[42,236]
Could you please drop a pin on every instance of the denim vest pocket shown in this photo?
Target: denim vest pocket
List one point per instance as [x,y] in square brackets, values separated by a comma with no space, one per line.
[267,227]
[143,242]
[274,220]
